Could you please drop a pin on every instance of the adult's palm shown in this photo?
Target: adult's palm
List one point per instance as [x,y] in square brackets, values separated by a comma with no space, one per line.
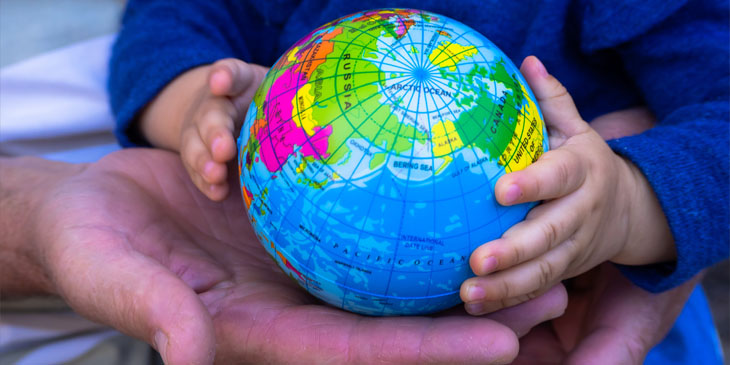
[130,242]
[608,320]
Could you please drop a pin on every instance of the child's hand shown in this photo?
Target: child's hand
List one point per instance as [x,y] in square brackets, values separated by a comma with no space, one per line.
[198,114]
[596,206]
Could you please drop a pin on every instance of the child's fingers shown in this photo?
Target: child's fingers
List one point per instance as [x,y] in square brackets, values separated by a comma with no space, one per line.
[521,280]
[230,77]
[561,116]
[547,226]
[216,130]
[196,155]
[556,174]
[206,174]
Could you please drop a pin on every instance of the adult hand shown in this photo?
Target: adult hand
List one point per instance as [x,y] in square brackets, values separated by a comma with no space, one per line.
[608,320]
[130,242]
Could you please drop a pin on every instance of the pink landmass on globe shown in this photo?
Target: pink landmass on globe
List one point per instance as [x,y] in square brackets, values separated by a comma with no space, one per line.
[278,138]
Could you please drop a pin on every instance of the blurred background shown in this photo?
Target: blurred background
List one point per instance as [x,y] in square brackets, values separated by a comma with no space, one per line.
[31,27]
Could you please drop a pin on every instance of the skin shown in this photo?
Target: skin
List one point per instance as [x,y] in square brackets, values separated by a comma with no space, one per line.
[596,327]
[596,207]
[198,114]
[608,319]
[576,337]
[130,242]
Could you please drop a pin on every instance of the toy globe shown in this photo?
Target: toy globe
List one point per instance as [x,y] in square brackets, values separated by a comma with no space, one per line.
[369,155]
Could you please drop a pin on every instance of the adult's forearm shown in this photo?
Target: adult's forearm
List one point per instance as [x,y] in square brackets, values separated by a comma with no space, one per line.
[25,185]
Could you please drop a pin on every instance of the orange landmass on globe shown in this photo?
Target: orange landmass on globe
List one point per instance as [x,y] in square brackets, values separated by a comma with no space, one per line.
[283,258]
[317,53]
[247,196]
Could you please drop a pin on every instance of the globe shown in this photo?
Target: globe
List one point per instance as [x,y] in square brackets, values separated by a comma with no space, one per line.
[369,155]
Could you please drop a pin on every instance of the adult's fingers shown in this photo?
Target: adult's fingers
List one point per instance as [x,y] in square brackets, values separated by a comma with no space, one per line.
[523,317]
[626,321]
[104,280]
[540,346]
[609,345]
[318,334]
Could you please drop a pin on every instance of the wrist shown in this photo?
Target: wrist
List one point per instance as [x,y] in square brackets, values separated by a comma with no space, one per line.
[161,121]
[649,238]
[26,185]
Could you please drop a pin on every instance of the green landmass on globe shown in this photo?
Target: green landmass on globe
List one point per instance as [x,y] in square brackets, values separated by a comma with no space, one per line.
[369,155]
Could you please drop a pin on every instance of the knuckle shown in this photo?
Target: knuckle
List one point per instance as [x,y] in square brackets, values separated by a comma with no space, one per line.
[572,245]
[546,274]
[187,144]
[530,296]
[505,291]
[506,303]
[518,254]
[563,171]
[211,116]
[192,155]
[550,233]
[558,91]
[227,64]
[571,172]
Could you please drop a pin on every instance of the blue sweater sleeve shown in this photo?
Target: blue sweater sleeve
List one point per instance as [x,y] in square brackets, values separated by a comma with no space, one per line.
[159,40]
[680,63]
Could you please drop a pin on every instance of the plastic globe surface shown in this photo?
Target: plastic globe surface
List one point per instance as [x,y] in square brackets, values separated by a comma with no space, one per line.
[369,155]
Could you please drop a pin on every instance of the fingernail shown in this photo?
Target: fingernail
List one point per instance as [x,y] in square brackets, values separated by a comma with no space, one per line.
[474,308]
[475,293]
[489,264]
[513,193]
[161,344]
[541,70]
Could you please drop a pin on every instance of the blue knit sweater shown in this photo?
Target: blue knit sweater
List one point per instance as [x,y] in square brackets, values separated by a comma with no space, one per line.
[670,55]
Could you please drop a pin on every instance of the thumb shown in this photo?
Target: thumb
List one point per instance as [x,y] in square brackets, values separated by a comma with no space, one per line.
[561,115]
[136,295]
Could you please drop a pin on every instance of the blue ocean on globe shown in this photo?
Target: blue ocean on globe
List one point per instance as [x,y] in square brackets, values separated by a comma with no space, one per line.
[369,155]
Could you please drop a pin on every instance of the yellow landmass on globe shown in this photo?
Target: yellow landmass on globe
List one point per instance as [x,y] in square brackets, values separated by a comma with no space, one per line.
[301,167]
[448,54]
[445,141]
[525,147]
[292,55]
[302,111]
